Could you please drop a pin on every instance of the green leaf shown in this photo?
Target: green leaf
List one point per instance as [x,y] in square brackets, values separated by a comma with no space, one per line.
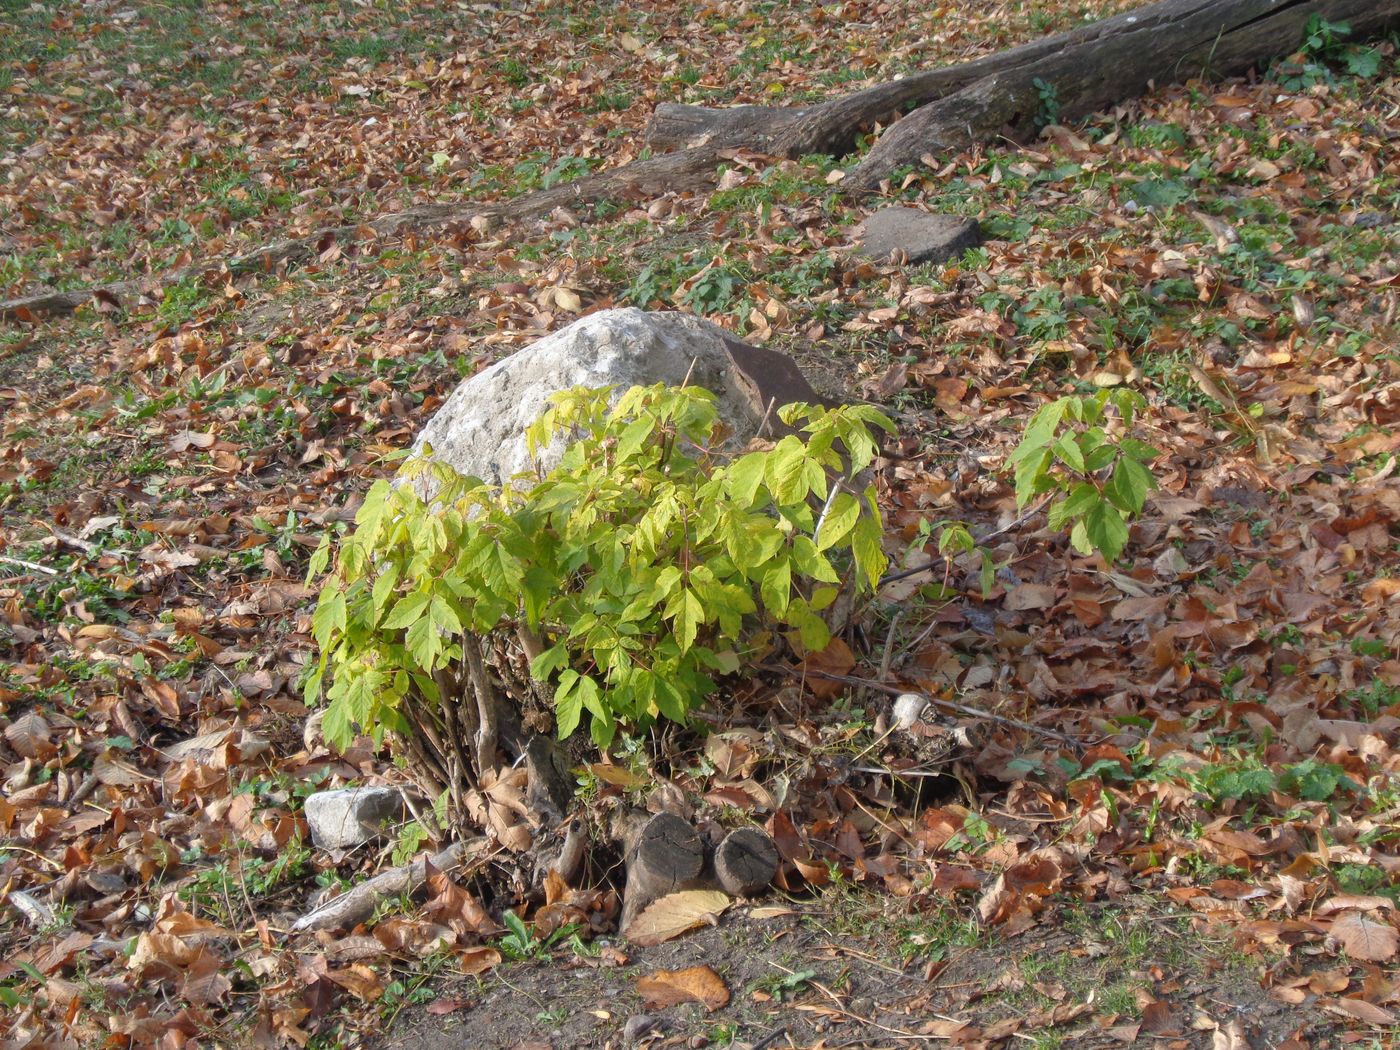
[383,589]
[634,436]
[1139,450]
[568,704]
[443,617]
[1099,458]
[1081,499]
[669,700]
[1068,452]
[549,661]
[839,520]
[786,471]
[1129,484]
[1106,530]
[776,587]
[329,618]
[424,642]
[988,575]
[1031,478]
[687,618]
[869,554]
[320,559]
[336,727]
[371,513]
[809,562]
[744,477]
[406,612]
[1041,429]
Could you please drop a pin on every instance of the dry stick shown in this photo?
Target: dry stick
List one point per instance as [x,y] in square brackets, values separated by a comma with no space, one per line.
[904,574]
[951,705]
[31,566]
[358,903]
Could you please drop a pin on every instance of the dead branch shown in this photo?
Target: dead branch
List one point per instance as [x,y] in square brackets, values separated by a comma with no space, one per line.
[357,904]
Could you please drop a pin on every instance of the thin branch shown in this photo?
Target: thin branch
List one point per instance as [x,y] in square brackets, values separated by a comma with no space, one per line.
[951,705]
[31,566]
[904,574]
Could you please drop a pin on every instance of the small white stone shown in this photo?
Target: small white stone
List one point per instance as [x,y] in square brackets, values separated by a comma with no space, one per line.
[908,707]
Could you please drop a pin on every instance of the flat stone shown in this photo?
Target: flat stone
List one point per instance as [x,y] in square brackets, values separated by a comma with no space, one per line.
[480,430]
[347,817]
[921,236]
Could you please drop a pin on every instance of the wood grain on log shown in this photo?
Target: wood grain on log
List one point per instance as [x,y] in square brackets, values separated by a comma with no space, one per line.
[746,862]
[1108,62]
[663,854]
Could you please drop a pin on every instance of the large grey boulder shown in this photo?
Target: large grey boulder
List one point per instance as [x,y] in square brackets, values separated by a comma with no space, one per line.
[349,817]
[480,429]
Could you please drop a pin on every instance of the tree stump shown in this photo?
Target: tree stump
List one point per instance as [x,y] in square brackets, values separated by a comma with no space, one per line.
[663,854]
[746,862]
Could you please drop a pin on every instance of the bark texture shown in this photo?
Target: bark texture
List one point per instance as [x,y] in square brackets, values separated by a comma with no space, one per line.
[1087,70]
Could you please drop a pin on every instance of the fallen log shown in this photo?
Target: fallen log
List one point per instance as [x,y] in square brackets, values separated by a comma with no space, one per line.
[663,854]
[1015,92]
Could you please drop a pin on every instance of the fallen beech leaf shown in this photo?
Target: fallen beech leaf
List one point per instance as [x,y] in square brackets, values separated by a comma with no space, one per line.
[29,735]
[618,777]
[1361,1010]
[836,658]
[1230,1036]
[1380,590]
[674,914]
[1362,937]
[473,961]
[1030,596]
[440,1007]
[697,984]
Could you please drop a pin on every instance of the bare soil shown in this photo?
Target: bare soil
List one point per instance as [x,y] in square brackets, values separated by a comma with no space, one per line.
[826,975]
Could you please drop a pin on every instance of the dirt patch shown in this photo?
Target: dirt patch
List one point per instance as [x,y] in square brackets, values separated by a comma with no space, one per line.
[854,971]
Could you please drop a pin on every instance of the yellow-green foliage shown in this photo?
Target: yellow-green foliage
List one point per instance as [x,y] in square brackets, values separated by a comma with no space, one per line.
[641,560]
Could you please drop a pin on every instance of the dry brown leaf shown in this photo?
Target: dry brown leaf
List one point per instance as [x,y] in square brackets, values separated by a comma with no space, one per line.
[1363,937]
[29,736]
[1361,1010]
[674,914]
[695,984]
[1030,596]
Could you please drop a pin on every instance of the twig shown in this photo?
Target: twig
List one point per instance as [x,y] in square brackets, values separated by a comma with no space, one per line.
[31,566]
[950,705]
[772,401]
[889,643]
[836,487]
[904,574]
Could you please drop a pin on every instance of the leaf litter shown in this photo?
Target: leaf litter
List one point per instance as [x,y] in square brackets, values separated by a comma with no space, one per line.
[1234,680]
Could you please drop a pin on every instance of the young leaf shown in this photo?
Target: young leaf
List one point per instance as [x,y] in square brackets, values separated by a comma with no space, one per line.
[1129,484]
[406,612]
[839,520]
[329,618]
[1106,530]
